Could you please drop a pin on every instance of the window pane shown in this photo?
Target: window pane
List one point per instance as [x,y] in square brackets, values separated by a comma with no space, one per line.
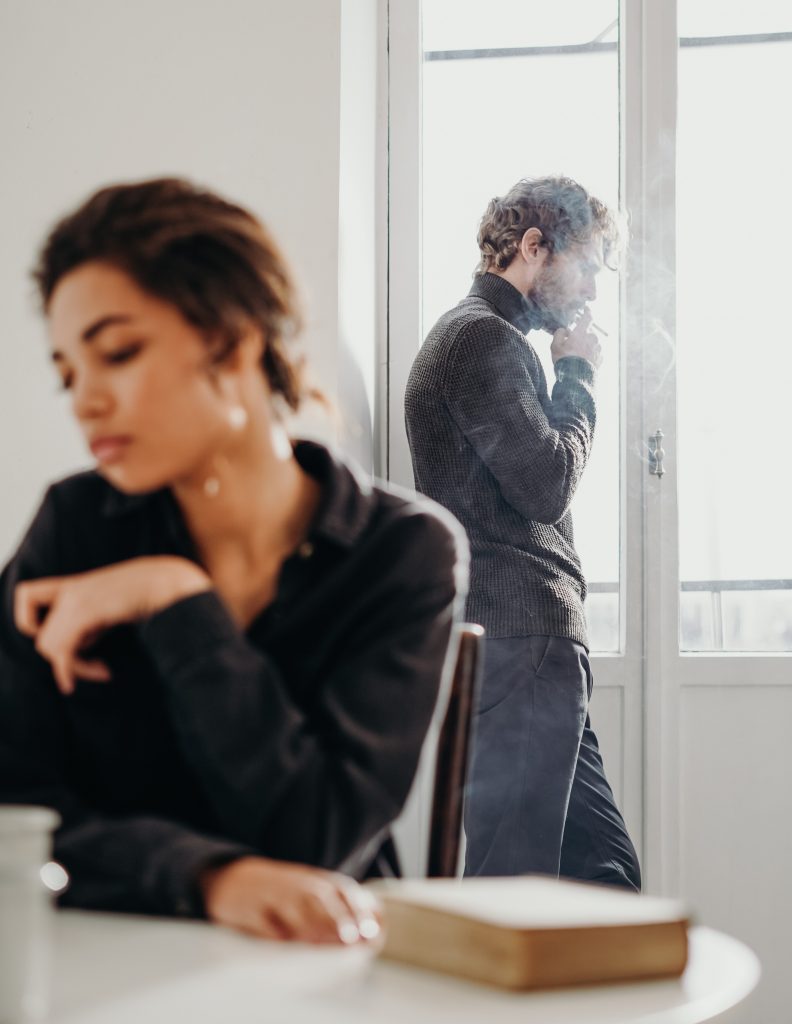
[734,357]
[715,18]
[489,122]
[471,25]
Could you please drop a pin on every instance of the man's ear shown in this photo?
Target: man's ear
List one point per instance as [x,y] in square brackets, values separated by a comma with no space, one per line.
[530,245]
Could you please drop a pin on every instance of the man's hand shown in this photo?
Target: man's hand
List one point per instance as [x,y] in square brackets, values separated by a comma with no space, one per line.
[578,340]
[66,614]
[276,900]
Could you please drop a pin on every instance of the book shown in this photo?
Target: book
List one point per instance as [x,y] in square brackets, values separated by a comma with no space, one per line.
[532,931]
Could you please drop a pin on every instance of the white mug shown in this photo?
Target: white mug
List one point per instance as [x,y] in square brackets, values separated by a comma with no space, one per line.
[27,882]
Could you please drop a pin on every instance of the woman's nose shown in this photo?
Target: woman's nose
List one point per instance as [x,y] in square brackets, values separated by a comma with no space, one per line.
[89,401]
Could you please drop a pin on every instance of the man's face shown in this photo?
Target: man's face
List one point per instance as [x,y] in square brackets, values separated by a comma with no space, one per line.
[565,283]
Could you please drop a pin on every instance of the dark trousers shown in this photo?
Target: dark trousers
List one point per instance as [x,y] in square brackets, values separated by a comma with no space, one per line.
[537,798]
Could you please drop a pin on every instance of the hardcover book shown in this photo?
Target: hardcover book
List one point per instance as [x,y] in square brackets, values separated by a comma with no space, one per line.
[532,932]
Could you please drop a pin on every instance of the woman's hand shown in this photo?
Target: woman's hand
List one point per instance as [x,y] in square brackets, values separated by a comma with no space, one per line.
[276,900]
[65,614]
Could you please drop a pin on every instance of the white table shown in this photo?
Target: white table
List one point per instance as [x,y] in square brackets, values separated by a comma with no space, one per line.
[116,969]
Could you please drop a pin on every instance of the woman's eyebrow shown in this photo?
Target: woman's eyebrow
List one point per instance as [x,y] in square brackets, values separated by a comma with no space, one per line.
[99,325]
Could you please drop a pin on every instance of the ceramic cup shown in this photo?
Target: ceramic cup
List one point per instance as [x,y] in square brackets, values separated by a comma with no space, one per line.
[28,879]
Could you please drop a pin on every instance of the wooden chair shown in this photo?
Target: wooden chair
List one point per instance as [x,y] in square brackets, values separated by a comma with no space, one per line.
[453,749]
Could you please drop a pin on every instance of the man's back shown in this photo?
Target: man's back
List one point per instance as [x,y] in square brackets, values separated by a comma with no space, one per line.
[489,444]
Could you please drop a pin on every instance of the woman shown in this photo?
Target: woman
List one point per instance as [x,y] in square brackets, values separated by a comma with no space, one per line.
[220,650]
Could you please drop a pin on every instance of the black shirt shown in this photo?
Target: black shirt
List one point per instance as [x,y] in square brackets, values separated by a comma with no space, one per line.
[297,739]
[489,443]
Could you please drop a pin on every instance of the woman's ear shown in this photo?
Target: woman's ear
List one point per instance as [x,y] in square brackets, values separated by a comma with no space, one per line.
[250,348]
[243,353]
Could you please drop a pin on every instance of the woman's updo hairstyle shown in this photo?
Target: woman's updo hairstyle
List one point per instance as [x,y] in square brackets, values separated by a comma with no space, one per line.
[207,257]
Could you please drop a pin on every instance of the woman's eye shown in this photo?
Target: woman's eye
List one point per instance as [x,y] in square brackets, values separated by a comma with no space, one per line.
[123,355]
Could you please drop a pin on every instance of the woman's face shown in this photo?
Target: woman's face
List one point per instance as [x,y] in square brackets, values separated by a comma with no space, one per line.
[151,411]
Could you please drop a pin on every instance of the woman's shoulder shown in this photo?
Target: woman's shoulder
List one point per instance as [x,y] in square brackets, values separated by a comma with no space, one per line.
[82,502]
[84,486]
[420,515]
[361,511]
[71,526]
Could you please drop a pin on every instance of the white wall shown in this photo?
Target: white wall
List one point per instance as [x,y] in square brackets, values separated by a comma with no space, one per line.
[362,233]
[241,95]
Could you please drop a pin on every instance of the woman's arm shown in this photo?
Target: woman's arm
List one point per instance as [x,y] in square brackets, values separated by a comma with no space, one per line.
[63,614]
[138,862]
[135,863]
[321,787]
[318,787]
[146,864]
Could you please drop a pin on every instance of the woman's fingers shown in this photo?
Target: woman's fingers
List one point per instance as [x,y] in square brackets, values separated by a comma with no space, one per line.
[309,916]
[31,598]
[338,910]
[68,670]
[364,906]
[92,669]
[277,900]
[64,677]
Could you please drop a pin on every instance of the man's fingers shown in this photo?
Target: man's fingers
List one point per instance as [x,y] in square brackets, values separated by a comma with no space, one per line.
[577,342]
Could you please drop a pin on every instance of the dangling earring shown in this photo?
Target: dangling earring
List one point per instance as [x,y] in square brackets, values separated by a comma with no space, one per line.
[237,417]
[211,486]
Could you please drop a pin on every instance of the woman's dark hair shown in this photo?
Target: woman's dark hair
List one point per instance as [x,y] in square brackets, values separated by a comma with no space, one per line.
[559,207]
[208,257]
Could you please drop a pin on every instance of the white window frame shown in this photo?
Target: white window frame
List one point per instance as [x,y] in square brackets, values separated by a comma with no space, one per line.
[649,674]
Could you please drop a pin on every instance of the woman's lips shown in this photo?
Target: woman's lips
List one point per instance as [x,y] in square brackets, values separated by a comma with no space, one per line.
[109,449]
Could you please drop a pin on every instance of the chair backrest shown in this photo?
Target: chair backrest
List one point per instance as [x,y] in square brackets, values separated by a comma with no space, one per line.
[453,749]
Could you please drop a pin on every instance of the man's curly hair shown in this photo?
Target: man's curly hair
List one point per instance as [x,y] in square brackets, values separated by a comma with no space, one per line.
[559,207]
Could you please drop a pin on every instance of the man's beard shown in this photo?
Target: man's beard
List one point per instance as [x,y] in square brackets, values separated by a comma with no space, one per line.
[552,317]
[552,313]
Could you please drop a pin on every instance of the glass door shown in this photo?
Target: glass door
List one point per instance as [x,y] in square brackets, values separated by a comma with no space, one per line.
[510,91]
[507,95]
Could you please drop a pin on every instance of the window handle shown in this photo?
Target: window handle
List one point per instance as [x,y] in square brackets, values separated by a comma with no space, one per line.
[656,453]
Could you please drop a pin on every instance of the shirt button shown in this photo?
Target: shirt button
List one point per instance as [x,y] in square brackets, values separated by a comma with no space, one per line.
[306,549]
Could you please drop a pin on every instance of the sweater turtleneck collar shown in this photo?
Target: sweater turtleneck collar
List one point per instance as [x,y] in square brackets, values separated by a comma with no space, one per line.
[509,302]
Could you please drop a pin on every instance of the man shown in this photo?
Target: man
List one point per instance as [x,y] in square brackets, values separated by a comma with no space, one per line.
[489,443]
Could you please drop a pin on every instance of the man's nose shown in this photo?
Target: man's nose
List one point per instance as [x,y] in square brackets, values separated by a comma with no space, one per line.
[590,288]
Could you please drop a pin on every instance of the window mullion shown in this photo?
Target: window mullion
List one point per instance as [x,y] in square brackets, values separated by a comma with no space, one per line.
[649,89]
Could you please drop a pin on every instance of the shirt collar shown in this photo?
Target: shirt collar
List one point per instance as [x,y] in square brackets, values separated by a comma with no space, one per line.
[347,496]
[344,511]
[511,304]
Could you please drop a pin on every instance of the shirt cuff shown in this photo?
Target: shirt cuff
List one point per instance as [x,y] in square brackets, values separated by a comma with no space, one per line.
[173,875]
[185,631]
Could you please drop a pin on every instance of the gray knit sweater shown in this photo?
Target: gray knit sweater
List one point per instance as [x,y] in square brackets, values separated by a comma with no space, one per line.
[489,443]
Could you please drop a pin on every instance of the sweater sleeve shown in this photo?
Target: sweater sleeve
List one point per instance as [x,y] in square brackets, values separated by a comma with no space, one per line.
[492,390]
[131,862]
[316,787]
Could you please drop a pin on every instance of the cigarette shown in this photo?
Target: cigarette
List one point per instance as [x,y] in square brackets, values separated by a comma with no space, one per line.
[600,329]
